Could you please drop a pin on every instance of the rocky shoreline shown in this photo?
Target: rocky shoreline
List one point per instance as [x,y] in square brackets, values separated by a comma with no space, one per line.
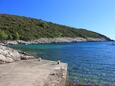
[8,55]
[25,70]
[54,40]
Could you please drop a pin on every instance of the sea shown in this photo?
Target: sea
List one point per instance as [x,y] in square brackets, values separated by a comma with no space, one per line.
[88,62]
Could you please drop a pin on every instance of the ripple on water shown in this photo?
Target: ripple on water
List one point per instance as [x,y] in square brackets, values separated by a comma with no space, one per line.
[90,62]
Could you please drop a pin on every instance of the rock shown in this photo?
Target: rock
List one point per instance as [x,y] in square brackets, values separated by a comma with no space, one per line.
[96,39]
[11,42]
[58,62]
[54,40]
[39,59]
[1,43]
[4,59]
[8,55]
[24,57]
[61,40]
[24,53]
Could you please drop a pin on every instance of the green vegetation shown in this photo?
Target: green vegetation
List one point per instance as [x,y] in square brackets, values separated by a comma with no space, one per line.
[25,28]
[3,35]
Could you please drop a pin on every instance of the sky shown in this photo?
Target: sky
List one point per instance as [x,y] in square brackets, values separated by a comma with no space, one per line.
[94,15]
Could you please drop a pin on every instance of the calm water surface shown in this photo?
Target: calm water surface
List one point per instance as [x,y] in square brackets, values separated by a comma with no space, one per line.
[89,62]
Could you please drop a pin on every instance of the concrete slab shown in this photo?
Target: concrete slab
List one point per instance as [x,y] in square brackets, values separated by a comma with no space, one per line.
[32,73]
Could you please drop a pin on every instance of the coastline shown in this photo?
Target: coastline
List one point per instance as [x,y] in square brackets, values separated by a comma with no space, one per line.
[54,40]
[75,84]
[19,68]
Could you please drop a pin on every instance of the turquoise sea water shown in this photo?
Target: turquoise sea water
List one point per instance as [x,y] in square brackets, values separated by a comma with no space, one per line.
[89,62]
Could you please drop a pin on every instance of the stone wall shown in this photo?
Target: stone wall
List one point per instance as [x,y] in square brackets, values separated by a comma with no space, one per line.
[58,77]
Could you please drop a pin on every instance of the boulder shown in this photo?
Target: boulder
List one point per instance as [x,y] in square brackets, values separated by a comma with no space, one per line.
[4,59]
[8,55]
[24,57]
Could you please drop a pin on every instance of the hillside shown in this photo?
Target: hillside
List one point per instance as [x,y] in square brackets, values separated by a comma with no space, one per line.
[14,27]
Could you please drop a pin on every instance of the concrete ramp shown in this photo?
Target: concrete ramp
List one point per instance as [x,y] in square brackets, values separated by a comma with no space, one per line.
[33,73]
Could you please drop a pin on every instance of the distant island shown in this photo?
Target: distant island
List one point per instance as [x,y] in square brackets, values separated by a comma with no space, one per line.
[14,27]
